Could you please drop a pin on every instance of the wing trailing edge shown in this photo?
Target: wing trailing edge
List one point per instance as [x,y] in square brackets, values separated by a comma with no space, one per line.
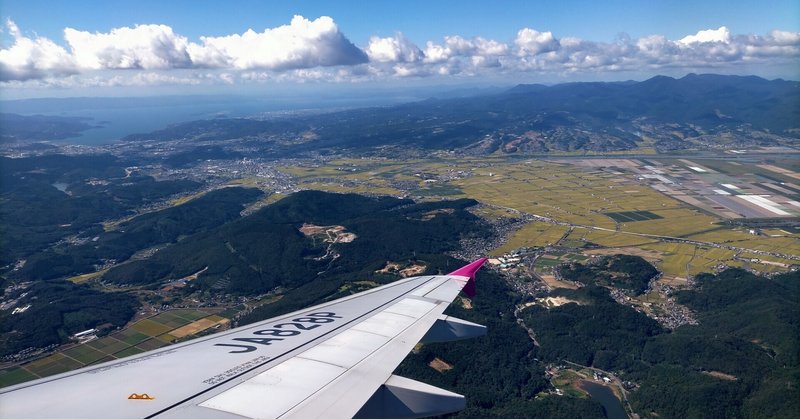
[448,329]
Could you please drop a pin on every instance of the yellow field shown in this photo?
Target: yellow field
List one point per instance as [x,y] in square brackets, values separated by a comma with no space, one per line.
[532,234]
[691,221]
[615,239]
[341,188]
[767,258]
[723,235]
[248,182]
[198,326]
[676,258]
[86,277]
[185,199]
[784,245]
[150,328]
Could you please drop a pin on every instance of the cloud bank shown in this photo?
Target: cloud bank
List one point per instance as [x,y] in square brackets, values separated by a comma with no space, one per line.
[316,50]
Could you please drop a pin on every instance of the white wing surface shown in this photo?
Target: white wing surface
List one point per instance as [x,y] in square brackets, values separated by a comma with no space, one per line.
[332,360]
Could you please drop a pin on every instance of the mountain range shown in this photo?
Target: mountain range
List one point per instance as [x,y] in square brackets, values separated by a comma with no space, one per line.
[696,111]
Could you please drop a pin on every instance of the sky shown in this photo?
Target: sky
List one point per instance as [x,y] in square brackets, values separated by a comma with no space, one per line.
[57,48]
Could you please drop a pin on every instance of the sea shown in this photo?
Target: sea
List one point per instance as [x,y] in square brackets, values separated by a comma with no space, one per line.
[114,118]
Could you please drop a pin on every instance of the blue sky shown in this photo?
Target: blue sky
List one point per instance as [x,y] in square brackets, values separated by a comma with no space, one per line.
[385,42]
[419,20]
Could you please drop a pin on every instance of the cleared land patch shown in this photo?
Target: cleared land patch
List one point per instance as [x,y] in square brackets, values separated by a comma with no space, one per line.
[198,326]
[440,365]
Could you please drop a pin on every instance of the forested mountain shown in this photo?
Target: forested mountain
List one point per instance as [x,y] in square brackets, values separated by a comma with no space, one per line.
[48,198]
[667,113]
[139,233]
[626,272]
[266,249]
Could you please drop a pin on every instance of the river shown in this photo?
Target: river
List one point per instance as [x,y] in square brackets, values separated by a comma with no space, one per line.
[604,396]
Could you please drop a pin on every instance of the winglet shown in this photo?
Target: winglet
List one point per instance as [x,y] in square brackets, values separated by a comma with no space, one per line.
[469,272]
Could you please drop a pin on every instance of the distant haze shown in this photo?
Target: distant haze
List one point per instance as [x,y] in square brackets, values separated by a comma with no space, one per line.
[117,117]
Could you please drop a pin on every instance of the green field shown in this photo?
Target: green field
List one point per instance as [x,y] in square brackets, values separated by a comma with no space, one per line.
[626,216]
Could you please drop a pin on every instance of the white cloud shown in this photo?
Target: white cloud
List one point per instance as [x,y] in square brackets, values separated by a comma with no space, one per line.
[29,58]
[785,38]
[141,47]
[435,53]
[532,42]
[316,50]
[395,49]
[301,44]
[710,35]
[476,49]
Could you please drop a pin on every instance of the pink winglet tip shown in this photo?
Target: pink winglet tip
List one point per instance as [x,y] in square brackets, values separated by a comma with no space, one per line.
[469,272]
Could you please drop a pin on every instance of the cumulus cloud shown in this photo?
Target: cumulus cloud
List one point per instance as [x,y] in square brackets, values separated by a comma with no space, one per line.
[141,47]
[395,49]
[476,49]
[32,58]
[707,49]
[532,42]
[301,44]
[316,50]
[710,35]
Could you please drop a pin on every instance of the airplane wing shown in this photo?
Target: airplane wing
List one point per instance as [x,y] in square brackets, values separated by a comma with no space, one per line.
[331,360]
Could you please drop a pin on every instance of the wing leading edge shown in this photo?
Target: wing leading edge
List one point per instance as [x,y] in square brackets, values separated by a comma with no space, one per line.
[331,360]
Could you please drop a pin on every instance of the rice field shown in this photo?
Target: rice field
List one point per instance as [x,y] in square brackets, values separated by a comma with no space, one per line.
[614,239]
[532,234]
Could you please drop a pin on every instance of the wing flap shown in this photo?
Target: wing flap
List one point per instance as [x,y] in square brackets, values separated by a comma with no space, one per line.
[273,392]
[346,349]
[402,397]
[448,329]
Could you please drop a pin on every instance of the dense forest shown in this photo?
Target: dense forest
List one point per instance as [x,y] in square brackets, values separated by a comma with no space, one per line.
[160,227]
[619,271]
[254,254]
[59,309]
[497,373]
[750,330]
[48,198]
[597,331]
[741,360]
